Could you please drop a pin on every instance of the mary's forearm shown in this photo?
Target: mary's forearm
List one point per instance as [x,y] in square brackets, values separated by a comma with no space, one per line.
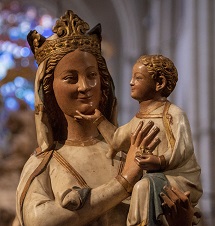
[51,213]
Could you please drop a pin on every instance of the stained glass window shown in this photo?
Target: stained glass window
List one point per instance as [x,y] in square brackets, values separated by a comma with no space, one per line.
[17,64]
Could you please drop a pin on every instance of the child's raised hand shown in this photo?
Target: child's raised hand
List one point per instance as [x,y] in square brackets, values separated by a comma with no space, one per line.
[97,114]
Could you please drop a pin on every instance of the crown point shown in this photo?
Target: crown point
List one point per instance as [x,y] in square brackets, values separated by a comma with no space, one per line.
[69,34]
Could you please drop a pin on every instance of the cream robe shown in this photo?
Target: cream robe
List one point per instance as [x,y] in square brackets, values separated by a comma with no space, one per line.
[176,145]
[43,204]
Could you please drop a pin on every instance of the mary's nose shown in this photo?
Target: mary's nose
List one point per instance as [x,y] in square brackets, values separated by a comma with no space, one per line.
[83,85]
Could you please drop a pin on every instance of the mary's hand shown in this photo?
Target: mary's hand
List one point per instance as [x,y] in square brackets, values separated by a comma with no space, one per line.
[145,158]
[177,207]
[142,137]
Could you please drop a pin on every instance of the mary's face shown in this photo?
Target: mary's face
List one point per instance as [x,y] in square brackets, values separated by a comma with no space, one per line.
[77,83]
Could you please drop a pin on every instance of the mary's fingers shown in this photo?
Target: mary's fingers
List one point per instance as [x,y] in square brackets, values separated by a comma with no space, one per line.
[172,195]
[150,136]
[143,133]
[147,128]
[168,204]
[184,197]
[165,208]
[166,200]
[136,132]
[151,147]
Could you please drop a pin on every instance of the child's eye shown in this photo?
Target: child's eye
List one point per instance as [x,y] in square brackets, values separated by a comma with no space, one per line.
[139,78]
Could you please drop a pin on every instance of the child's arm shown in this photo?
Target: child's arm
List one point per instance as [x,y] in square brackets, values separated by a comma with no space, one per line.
[150,162]
[145,158]
[106,128]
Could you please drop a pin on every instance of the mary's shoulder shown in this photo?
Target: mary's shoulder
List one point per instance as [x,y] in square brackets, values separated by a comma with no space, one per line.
[31,163]
[34,166]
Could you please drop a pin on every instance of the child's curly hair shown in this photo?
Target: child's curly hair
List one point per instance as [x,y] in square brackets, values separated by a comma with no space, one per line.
[158,65]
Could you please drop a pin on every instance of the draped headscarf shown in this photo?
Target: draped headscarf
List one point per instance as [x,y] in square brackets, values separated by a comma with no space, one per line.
[69,34]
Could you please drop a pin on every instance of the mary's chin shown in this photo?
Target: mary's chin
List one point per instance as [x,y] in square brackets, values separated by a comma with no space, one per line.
[87,109]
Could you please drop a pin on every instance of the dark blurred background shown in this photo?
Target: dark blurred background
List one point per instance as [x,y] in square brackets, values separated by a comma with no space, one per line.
[183,30]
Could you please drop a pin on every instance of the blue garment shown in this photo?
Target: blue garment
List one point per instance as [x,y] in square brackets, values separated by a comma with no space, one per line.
[157,182]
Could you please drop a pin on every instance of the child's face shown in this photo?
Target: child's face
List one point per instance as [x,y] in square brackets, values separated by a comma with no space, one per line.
[143,87]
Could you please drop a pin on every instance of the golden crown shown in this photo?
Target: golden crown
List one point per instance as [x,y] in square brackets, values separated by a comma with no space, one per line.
[71,34]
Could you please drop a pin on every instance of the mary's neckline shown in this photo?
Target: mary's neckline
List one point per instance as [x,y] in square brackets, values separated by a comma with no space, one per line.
[89,142]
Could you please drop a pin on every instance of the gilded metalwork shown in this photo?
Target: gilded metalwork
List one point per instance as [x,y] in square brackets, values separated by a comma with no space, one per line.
[71,34]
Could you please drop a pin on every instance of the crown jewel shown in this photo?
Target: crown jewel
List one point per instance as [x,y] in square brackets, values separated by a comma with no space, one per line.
[71,34]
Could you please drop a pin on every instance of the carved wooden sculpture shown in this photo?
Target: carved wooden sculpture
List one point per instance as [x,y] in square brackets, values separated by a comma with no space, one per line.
[69,180]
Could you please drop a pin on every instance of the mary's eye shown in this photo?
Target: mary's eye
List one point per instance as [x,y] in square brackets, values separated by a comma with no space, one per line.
[92,75]
[71,79]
